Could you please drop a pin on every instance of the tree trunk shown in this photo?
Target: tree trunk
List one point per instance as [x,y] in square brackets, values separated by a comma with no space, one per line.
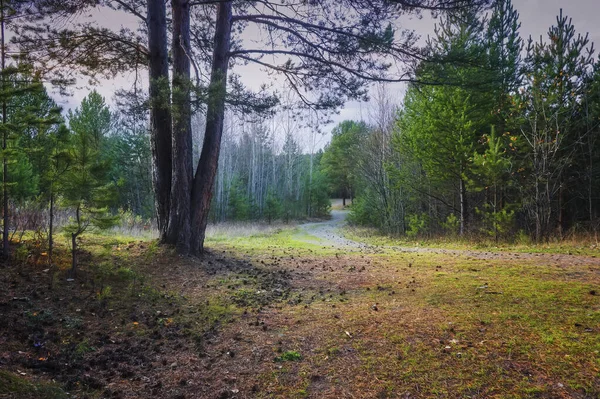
[51,229]
[591,180]
[74,241]
[538,212]
[215,114]
[178,231]
[5,248]
[561,211]
[160,114]
[463,207]
[495,212]
[73,254]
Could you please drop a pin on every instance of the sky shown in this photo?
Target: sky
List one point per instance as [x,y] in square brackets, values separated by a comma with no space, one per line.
[536,17]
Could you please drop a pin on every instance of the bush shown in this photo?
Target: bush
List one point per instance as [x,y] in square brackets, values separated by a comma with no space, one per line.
[451,225]
[418,225]
[363,213]
[496,224]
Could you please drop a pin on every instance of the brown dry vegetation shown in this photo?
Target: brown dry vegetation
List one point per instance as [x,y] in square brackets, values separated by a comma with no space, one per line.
[270,317]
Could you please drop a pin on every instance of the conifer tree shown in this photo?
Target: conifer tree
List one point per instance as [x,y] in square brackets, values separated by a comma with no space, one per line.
[86,188]
[28,114]
[555,76]
[492,173]
[340,156]
[441,124]
[504,56]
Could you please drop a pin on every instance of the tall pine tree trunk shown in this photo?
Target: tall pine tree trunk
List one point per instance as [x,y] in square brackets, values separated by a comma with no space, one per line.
[215,114]
[160,114]
[178,231]
[5,216]
[51,227]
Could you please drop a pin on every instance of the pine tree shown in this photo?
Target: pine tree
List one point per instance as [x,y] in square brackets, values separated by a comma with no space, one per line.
[272,206]
[504,54]
[28,114]
[42,139]
[555,77]
[340,156]
[59,162]
[86,187]
[492,174]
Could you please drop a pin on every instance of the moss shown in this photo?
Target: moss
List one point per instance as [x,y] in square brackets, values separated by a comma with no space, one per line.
[13,385]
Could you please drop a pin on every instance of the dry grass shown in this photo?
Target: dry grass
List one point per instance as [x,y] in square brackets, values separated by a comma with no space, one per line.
[228,230]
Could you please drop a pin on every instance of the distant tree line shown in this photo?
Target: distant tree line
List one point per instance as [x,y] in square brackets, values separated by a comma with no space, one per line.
[503,137]
[257,180]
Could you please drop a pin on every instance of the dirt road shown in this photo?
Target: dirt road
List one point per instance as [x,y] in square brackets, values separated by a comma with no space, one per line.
[329,233]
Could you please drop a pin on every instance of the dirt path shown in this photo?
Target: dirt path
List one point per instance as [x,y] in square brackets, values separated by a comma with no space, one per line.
[329,233]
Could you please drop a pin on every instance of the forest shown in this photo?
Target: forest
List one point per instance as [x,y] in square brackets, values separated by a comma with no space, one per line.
[496,137]
[298,199]
[505,145]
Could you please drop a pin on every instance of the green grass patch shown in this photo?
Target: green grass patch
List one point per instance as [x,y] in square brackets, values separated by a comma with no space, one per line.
[15,386]
[289,356]
[279,242]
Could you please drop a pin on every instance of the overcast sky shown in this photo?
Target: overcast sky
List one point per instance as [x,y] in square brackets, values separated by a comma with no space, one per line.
[536,17]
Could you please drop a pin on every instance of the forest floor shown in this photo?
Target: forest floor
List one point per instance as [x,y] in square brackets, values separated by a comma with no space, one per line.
[300,312]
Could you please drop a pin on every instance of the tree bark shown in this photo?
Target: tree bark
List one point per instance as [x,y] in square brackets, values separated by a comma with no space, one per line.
[561,211]
[215,114]
[179,229]
[73,254]
[463,207]
[51,228]
[160,114]
[5,215]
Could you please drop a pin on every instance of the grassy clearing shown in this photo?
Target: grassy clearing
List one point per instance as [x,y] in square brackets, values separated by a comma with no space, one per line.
[431,325]
[581,245]
[280,314]
[274,241]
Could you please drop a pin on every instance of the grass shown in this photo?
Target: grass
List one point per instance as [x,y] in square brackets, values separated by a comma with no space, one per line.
[579,245]
[18,386]
[434,325]
[276,241]
[279,314]
[289,356]
[228,230]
